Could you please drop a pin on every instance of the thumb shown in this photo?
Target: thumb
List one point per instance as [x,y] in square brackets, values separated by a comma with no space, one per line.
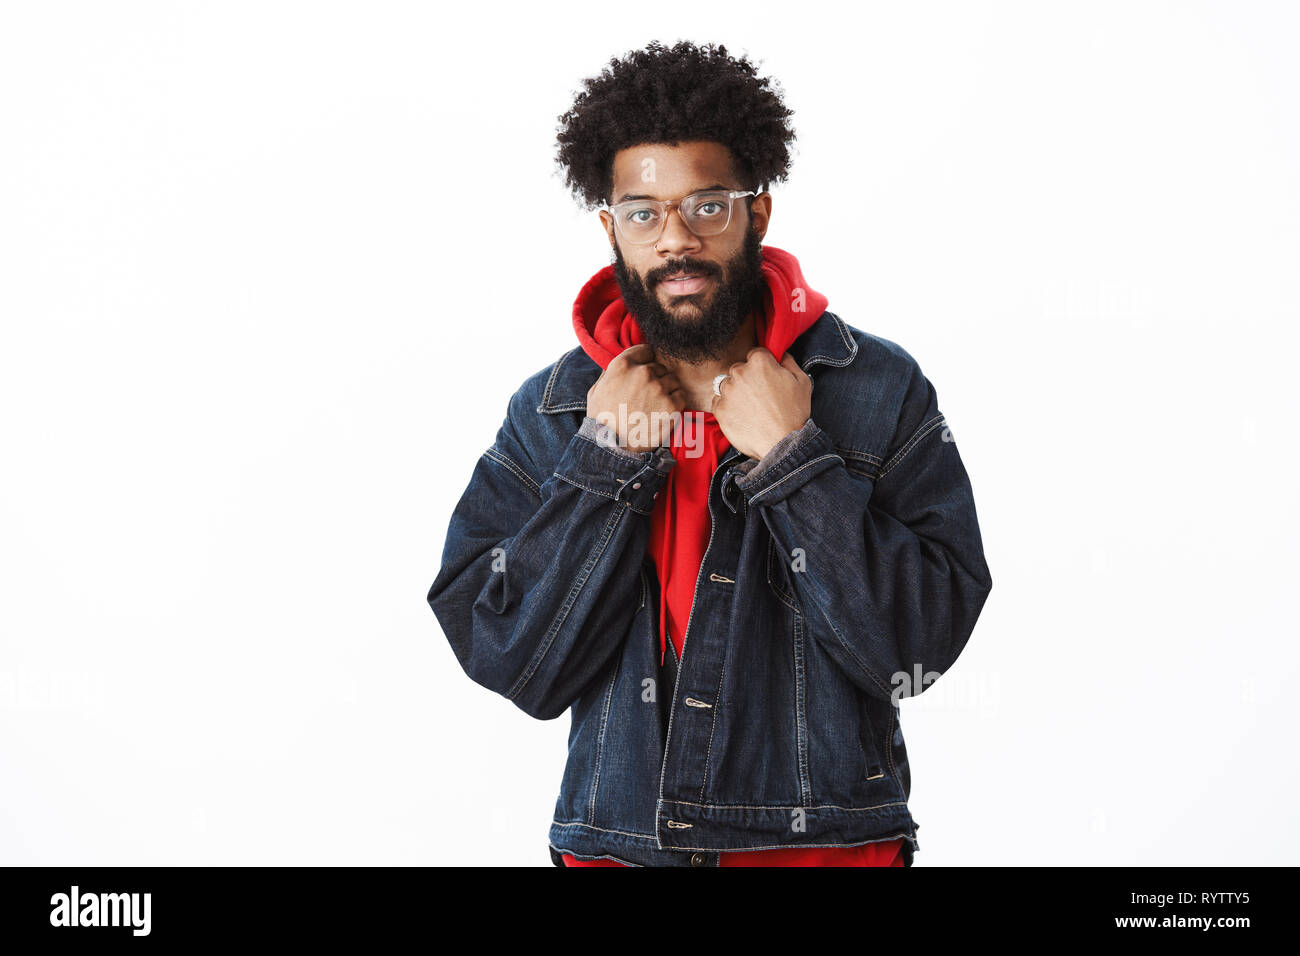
[638,354]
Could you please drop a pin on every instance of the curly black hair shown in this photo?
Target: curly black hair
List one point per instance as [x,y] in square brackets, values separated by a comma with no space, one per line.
[670,95]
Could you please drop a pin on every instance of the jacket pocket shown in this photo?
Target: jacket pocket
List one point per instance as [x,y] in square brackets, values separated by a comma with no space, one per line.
[778,576]
[869,740]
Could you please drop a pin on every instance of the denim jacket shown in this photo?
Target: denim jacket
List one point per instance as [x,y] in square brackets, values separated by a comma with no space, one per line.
[843,572]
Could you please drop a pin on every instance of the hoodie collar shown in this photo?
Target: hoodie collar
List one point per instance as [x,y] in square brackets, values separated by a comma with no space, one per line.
[795,320]
[827,342]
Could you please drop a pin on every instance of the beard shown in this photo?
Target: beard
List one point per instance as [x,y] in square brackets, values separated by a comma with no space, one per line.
[737,292]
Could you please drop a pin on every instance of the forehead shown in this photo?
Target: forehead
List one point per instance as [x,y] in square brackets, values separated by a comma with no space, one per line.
[662,171]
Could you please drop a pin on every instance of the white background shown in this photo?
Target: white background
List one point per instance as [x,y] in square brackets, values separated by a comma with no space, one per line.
[269,273]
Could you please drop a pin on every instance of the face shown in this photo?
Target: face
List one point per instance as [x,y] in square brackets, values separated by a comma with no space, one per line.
[690,294]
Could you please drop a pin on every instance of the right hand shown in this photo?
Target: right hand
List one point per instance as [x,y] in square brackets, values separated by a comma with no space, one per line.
[648,392]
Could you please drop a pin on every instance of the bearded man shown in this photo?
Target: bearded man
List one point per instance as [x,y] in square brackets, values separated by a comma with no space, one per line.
[728,531]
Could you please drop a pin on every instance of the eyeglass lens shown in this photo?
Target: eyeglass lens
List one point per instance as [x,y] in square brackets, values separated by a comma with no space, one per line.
[706,214]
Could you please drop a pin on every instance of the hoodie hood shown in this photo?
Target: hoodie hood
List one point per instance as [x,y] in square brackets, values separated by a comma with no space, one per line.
[605,328]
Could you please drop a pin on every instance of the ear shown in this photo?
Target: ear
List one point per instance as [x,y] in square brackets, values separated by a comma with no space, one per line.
[761,212]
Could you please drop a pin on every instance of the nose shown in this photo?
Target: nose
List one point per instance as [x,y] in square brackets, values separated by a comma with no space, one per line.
[676,238]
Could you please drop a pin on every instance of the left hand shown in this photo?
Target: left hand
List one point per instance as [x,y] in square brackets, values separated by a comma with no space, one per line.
[762,401]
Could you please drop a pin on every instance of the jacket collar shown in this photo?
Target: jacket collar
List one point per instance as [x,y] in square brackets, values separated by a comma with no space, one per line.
[827,342]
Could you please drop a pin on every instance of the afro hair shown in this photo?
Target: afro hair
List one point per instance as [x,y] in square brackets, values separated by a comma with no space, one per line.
[671,95]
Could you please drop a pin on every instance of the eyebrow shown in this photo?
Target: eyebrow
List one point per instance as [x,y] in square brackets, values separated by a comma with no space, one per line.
[626,197]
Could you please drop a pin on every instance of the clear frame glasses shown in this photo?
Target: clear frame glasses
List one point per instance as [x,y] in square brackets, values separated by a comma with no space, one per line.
[706,213]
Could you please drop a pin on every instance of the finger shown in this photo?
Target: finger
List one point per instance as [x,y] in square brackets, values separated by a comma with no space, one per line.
[791,363]
[640,354]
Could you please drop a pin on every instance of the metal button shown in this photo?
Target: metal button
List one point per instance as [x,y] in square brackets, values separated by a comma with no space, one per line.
[699,859]
[636,484]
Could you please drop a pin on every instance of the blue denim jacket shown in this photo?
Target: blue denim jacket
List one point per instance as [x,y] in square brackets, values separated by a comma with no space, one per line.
[843,572]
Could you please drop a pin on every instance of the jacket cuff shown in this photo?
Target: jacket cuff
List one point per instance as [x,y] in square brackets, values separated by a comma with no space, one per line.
[634,479]
[788,465]
[754,467]
[605,436]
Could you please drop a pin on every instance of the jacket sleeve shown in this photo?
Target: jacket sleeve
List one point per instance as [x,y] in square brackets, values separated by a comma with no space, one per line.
[540,573]
[894,564]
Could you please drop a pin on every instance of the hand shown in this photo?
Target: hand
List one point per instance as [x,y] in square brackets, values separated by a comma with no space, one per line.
[638,398]
[762,401]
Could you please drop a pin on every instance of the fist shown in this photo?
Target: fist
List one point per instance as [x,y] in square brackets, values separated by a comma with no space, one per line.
[762,401]
[638,398]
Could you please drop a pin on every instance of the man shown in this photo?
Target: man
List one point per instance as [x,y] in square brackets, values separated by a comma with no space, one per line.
[728,531]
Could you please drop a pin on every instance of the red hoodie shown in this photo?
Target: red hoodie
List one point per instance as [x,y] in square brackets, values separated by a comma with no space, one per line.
[679,523]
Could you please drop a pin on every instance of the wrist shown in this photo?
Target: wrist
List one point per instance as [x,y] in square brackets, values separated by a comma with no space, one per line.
[775,439]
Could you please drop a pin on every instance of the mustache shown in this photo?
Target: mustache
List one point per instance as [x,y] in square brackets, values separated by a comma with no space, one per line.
[685,268]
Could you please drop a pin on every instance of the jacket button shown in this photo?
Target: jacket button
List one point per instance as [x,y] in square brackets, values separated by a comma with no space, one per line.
[636,484]
[698,859]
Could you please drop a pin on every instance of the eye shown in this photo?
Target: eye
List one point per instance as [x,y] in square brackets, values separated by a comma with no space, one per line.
[710,208]
[640,217]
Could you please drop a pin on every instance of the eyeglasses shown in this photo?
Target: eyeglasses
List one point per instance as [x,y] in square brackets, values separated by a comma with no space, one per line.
[706,213]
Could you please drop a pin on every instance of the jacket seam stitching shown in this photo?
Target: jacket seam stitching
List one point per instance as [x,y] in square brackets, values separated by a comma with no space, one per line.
[873,475]
[782,480]
[864,716]
[588,826]
[600,742]
[514,467]
[822,806]
[782,595]
[921,432]
[844,450]
[800,712]
[596,491]
[848,341]
[756,474]
[889,741]
[550,382]
[786,846]
[584,487]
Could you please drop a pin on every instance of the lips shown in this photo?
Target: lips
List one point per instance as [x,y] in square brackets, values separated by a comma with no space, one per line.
[685,284]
